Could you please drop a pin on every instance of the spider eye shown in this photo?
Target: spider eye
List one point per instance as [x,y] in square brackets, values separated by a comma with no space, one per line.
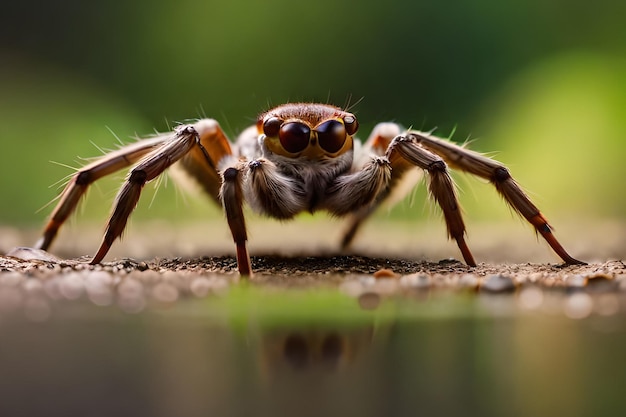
[331,135]
[294,136]
[271,126]
[351,124]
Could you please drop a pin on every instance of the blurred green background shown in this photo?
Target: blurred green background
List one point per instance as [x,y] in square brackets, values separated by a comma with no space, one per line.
[542,83]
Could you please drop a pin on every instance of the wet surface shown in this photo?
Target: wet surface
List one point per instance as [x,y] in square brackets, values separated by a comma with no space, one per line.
[314,334]
[187,338]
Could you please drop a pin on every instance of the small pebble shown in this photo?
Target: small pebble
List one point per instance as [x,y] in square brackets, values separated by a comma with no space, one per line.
[468,281]
[31,254]
[536,277]
[385,273]
[417,281]
[576,281]
[498,284]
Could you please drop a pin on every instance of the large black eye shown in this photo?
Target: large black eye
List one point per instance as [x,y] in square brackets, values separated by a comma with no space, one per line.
[294,136]
[331,135]
[271,126]
[351,124]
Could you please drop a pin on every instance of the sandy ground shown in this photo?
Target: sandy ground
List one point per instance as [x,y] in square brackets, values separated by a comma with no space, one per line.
[159,262]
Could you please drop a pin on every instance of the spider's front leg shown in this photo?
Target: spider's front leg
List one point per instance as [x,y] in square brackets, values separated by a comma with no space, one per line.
[196,149]
[265,189]
[232,200]
[405,149]
[150,167]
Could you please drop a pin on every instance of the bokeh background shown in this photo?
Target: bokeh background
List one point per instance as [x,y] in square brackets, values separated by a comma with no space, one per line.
[540,84]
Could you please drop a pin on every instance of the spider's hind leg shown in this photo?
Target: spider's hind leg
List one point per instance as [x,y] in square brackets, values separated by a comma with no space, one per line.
[473,162]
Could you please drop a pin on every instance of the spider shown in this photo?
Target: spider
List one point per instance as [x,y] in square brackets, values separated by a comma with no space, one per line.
[299,157]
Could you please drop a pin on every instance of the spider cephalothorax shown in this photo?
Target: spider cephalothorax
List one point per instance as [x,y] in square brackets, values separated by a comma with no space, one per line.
[313,131]
[298,157]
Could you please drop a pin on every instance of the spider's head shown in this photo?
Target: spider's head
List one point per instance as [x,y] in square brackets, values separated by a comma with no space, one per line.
[314,131]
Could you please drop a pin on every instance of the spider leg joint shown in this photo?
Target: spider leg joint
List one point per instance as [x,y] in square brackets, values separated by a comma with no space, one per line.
[230,174]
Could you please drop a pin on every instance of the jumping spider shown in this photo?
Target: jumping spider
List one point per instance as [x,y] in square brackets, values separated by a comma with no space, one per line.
[298,157]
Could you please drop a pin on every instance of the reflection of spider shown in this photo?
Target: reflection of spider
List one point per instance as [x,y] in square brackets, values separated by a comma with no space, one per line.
[300,157]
